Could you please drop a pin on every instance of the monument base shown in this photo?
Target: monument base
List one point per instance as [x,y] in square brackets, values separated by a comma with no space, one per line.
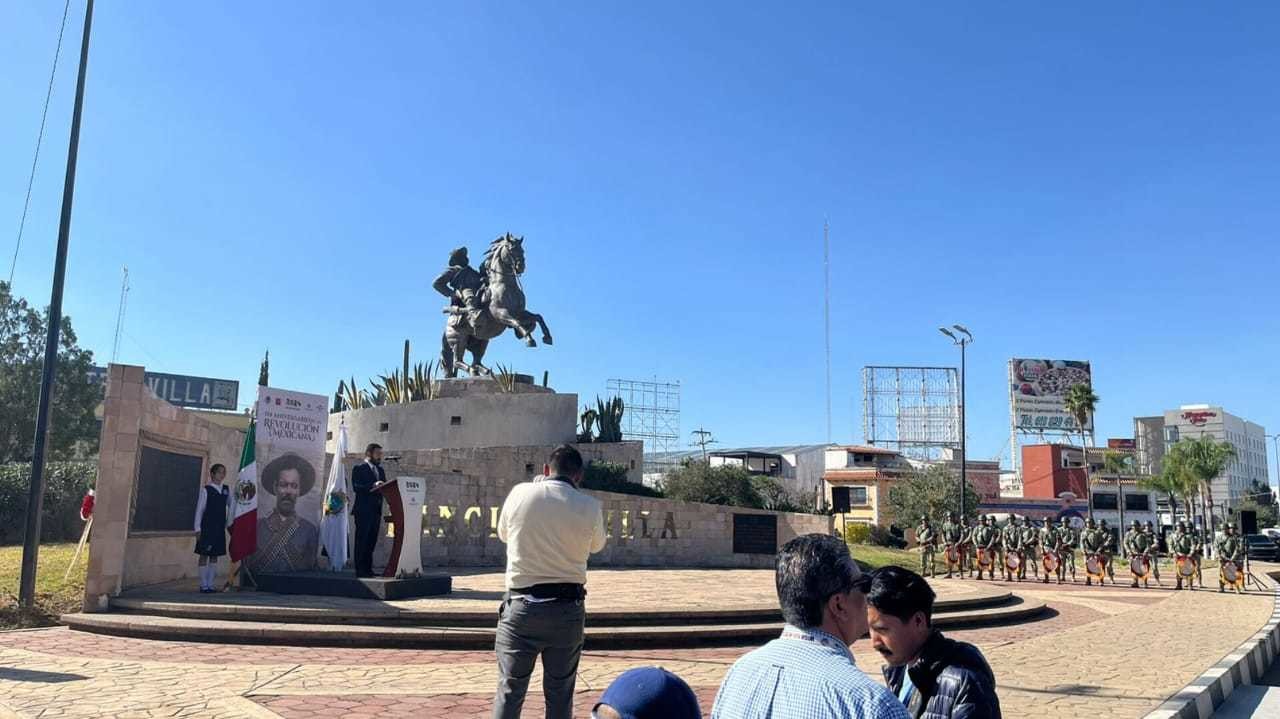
[346,584]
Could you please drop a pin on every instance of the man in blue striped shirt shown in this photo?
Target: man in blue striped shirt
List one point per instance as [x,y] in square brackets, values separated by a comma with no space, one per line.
[808,672]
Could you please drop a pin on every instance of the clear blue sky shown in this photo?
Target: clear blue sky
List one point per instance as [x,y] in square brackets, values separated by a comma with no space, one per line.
[1092,181]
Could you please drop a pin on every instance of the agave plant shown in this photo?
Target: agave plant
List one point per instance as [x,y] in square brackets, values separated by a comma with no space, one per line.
[352,397]
[422,383]
[391,388]
[588,419]
[506,379]
[609,415]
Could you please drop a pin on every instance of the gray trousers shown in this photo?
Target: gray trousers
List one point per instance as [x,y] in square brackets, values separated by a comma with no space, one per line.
[525,631]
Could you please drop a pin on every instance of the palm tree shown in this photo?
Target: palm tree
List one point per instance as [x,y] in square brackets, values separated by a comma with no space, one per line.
[1080,404]
[1174,481]
[1204,459]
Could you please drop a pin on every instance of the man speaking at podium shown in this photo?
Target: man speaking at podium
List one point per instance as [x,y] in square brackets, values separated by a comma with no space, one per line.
[550,529]
[367,510]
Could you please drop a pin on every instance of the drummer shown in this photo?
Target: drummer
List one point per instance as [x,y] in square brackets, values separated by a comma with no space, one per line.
[1138,549]
[986,538]
[1150,531]
[927,538]
[1197,553]
[1229,549]
[1049,545]
[1012,546]
[1067,541]
[1181,546]
[952,535]
[1108,549]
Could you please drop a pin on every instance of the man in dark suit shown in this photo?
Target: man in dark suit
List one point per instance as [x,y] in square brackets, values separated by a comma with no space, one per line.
[366,477]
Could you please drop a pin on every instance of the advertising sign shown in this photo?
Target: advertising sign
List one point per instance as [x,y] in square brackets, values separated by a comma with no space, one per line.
[290,458]
[1039,391]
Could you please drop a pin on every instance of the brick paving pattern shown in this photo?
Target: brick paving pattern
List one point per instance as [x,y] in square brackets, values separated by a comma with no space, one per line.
[1102,652]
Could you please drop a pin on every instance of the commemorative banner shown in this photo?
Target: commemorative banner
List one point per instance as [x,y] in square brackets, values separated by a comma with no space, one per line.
[290,440]
[1038,390]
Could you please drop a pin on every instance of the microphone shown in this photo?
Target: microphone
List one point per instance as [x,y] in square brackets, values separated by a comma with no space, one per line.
[392,458]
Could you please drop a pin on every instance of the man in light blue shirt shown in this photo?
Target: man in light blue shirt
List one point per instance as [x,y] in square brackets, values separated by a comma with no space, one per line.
[808,672]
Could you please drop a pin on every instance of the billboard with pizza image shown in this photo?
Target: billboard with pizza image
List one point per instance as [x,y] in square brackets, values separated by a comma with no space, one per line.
[1039,392]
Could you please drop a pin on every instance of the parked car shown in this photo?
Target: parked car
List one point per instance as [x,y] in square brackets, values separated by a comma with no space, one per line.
[1261,547]
[1273,532]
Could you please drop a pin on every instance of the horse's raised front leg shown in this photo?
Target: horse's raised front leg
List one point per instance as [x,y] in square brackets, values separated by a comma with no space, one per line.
[546,333]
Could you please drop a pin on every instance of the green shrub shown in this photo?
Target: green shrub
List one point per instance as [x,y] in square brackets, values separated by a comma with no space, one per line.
[727,484]
[65,486]
[612,477]
[857,533]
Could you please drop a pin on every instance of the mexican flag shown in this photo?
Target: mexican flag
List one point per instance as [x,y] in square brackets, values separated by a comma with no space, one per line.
[244,523]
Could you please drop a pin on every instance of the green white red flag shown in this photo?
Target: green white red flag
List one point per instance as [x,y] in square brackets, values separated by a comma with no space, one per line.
[244,522]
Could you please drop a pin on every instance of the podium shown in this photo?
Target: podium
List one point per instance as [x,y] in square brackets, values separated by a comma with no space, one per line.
[405,496]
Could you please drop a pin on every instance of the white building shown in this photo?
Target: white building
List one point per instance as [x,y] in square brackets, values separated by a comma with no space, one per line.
[798,467]
[1155,435]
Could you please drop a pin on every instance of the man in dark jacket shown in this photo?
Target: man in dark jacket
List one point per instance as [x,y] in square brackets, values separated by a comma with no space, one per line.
[365,478]
[935,677]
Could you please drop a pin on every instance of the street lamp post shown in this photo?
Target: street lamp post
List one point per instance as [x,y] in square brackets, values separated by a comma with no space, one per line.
[963,342]
[1276,440]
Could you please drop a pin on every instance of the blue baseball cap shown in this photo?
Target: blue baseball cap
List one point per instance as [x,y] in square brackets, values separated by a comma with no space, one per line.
[651,693]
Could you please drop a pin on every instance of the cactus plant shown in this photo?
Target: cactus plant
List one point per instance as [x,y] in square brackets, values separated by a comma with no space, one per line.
[506,379]
[588,420]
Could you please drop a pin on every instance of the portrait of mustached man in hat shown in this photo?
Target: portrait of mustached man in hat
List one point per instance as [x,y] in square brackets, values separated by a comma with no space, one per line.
[286,542]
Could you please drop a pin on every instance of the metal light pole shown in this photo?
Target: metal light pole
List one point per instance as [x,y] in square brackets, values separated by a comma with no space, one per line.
[1276,440]
[964,342]
[35,500]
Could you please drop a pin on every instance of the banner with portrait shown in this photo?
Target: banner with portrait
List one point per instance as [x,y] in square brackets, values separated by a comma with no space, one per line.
[291,430]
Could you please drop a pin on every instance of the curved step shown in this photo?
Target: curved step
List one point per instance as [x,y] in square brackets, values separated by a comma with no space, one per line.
[456,637]
[258,607]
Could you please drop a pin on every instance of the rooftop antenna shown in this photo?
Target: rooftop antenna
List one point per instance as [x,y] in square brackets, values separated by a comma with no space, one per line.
[826,311]
[124,300]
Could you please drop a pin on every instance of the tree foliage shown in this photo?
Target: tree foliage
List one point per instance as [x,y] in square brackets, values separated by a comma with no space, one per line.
[264,370]
[934,492]
[612,477]
[1261,499]
[23,332]
[65,486]
[1200,460]
[1080,403]
[726,484]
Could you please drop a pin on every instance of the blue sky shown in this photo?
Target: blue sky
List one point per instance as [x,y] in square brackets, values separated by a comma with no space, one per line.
[1093,181]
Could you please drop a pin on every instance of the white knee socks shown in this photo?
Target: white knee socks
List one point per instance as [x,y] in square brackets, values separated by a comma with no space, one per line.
[207,574]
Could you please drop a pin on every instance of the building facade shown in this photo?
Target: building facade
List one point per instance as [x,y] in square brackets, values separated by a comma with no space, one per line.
[1155,435]
[857,480]
[798,467]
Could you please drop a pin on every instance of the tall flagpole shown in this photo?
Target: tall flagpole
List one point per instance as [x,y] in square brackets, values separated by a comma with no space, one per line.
[826,311]
[35,500]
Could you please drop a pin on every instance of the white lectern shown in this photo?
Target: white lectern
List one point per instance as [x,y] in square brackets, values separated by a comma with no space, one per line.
[405,496]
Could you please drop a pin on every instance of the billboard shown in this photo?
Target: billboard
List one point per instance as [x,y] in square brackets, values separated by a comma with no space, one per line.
[1038,388]
[184,390]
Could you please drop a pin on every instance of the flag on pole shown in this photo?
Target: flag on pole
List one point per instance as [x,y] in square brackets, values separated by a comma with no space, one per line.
[337,506]
[244,523]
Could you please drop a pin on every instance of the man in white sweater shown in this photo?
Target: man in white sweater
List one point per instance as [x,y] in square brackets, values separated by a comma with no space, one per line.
[550,529]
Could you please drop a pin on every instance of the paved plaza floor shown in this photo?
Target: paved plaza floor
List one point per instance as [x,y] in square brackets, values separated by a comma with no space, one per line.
[1102,652]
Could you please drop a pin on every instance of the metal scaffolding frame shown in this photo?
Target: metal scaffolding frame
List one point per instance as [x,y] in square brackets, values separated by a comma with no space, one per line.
[651,412]
[912,410]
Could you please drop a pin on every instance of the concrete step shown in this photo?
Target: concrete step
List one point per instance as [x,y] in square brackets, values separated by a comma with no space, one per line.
[265,607]
[458,637]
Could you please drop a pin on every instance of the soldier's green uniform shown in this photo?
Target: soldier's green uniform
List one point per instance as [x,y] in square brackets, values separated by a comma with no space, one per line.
[1150,531]
[1181,543]
[1197,553]
[1067,542]
[928,540]
[1108,550]
[1049,543]
[952,534]
[1138,544]
[1011,543]
[1030,553]
[968,551]
[985,537]
[1229,549]
[1091,543]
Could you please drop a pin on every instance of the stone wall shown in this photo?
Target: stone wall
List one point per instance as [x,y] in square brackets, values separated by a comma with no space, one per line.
[468,414]
[133,418]
[462,508]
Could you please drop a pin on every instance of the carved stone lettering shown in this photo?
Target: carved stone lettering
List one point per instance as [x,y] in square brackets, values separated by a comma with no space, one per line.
[669,526]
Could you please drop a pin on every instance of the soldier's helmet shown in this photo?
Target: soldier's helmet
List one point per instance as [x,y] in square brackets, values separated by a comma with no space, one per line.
[1065,521]
[1103,523]
[1137,524]
[1182,526]
[1091,524]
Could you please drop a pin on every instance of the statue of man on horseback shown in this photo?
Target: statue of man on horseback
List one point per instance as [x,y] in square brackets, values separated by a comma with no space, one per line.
[483,304]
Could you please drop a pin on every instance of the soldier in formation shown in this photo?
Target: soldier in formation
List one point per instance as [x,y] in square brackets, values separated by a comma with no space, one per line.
[952,536]
[1138,549]
[1181,546]
[1108,550]
[1030,550]
[928,540]
[1230,549]
[984,541]
[1067,543]
[970,553]
[1150,531]
[1049,546]
[1091,544]
[1012,546]
[1197,553]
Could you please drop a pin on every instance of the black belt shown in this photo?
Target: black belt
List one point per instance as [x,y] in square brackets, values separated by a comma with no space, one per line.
[564,592]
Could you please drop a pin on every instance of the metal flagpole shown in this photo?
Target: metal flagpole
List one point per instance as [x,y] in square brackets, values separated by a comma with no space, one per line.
[35,500]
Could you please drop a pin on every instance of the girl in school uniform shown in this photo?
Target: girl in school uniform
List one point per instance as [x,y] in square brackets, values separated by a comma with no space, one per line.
[212,512]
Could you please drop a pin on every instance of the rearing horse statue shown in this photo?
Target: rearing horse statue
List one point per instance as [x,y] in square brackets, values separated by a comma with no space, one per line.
[483,305]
